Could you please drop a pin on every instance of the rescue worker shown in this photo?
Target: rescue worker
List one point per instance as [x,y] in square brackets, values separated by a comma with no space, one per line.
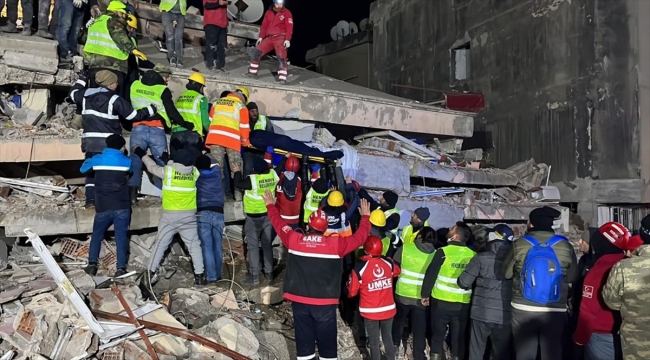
[257,228]
[229,130]
[101,110]
[256,122]
[209,217]
[193,106]
[275,34]
[133,72]
[27,7]
[372,279]
[179,211]
[289,192]
[338,212]
[449,303]
[387,203]
[377,222]
[627,290]
[414,259]
[314,197]
[173,20]
[108,45]
[313,277]
[419,219]
[149,134]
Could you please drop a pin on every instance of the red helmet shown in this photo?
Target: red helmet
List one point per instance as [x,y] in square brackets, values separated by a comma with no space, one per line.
[616,233]
[357,187]
[292,164]
[318,220]
[373,246]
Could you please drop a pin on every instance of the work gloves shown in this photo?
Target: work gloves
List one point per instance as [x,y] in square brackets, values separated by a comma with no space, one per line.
[258,42]
[188,125]
[78,3]
[287,43]
[82,75]
[95,12]
[138,151]
[139,54]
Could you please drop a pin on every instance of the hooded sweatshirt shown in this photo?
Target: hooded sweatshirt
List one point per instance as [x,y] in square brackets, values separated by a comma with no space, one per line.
[425,247]
[159,171]
[151,78]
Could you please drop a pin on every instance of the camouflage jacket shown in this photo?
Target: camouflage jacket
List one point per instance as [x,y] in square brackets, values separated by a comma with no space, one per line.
[628,290]
[117,29]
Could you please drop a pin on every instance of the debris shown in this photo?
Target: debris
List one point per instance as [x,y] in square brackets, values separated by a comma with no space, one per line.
[294,129]
[267,295]
[226,299]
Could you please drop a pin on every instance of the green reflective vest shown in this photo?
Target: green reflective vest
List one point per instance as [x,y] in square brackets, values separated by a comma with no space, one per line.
[168,5]
[408,236]
[312,201]
[390,212]
[446,287]
[189,105]
[100,42]
[414,265]
[253,202]
[143,95]
[261,123]
[385,244]
[179,190]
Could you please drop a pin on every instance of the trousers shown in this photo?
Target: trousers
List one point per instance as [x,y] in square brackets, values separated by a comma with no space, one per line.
[270,43]
[146,137]
[456,315]
[210,226]
[417,317]
[234,157]
[174,35]
[120,220]
[89,183]
[499,335]
[602,347]
[533,330]
[28,12]
[69,22]
[315,325]
[216,41]
[184,224]
[259,230]
[374,328]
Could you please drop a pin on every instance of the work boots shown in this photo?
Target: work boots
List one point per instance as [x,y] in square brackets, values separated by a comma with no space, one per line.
[91,269]
[251,280]
[268,278]
[44,34]
[9,29]
[433,356]
[199,279]
[119,272]
[27,31]
[133,194]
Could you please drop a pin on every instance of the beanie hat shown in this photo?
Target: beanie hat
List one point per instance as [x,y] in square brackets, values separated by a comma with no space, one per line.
[542,218]
[183,156]
[320,186]
[391,198]
[115,142]
[260,166]
[251,105]
[203,163]
[224,94]
[105,77]
[422,213]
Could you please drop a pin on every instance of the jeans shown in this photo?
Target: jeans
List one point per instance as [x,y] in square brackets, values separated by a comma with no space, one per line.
[373,328]
[174,35]
[70,20]
[89,183]
[531,330]
[182,223]
[120,219]
[417,315]
[315,324]
[210,226]
[146,137]
[499,335]
[601,347]
[215,45]
[28,13]
[456,315]
[259,229]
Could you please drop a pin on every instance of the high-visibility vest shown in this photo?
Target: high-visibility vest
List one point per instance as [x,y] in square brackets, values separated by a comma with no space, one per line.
[100,42]
[189,106]
[144,95]
[135,43]
[414,266]
[446,287]
[225,124]
[179,190]
[168,5]
[408,236]
[261,123]
[312,201]
[390,212]
[253,202]
[385,244]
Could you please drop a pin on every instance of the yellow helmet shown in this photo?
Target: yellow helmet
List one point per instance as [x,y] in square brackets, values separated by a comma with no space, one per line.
[197,77]
[116,6]
[132,21]
[244,91]
[378,218]
[335,198]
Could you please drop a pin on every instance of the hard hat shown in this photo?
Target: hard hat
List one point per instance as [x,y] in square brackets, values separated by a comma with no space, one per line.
[244,91]
[318,220]
[292,164]
[279,2]
[615,233]
[378,218]
[633,243]
[116,6]
[373,246]
[197,77]
[132,21]
[335,198]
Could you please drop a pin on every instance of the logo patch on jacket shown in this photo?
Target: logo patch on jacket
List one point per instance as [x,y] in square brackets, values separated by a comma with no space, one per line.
[281,17]
[587,291]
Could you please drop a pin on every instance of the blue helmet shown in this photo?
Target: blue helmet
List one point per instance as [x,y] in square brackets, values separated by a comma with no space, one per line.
[503,231]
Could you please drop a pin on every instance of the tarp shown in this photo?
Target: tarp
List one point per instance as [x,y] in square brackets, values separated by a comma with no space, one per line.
[264,139]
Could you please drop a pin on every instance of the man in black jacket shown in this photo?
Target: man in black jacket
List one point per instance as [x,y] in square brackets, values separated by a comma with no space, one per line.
[490,312]
[101,110]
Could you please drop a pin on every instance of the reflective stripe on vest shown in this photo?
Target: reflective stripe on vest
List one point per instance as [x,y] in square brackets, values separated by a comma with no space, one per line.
[408,236]
[179,190]
[189,106]
[168,5]
[390,212]
[414,266]
[261,123]
[99,41]
[253,202]
[312,201]
[446,287]
[377,309]
[224,126]
[144,95]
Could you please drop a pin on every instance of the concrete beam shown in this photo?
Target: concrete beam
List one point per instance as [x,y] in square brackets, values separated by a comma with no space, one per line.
[9,75]
[80,221]
[38,149]
[372,170]
[458,175]
[347,42]
[617,191]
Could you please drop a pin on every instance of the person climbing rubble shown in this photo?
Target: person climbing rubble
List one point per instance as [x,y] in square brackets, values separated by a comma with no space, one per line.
[193,106]
[275,34]
[313,277]
[28,14]
[101,109]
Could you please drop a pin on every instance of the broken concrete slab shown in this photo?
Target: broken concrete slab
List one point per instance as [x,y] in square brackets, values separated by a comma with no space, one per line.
[462,175]
[169,345]
[226,299]
[236,336]
[267,295]
[82,281]
[12,294]
[10,75]
[31,62]
[372,173]
[133,352]
[105,300]
[32,44]
[275,342]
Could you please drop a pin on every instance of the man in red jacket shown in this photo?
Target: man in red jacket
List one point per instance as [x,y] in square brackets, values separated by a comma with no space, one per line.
[373,280]
[597,323]
[289,192]
[313,277]
[275,33]
[215,25]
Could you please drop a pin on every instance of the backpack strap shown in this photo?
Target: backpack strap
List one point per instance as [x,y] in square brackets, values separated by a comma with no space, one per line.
[555,239]
[531,240]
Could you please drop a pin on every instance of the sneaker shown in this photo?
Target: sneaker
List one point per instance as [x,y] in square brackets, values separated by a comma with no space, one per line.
[66,59]
[222,70]
[89,206]
[268,278]
[119,272]
[251,280]
[179,63]
[199,279]
[91,269]
[250,75]
[9,29]
[26,32]
[45,34]
[172,62]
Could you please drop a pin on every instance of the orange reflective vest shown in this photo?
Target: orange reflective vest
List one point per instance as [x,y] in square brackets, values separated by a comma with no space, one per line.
[229,127]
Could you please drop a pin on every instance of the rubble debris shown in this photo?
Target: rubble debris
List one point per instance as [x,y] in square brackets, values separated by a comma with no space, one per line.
[267,295]
[530,173]
[296,130]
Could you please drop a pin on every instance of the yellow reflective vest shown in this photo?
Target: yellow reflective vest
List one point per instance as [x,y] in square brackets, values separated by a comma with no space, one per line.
[189,106]
[414,265]
[446,287]
[253,202]
[312,201]
[168,5]
[144,95]
[100,42]
[179,190]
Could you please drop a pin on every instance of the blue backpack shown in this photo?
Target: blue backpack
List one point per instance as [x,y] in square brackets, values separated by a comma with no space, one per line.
[541,277]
